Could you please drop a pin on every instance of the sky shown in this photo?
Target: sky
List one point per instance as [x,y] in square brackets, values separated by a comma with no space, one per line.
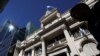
[23,11]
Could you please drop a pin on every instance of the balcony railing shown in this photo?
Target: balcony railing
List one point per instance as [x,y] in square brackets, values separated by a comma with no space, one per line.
[63,40]
[39,53]
[56,43]
[78,35]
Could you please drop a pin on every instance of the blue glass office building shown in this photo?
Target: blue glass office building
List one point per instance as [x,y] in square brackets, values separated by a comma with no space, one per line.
[9,34]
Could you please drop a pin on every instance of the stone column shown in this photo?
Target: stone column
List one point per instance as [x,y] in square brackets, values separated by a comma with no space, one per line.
[43,48]
[70,42]
[33,52]
[67,54]
[15,52]
[21,53]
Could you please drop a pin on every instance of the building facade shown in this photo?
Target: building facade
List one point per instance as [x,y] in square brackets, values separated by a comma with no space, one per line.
[59,35]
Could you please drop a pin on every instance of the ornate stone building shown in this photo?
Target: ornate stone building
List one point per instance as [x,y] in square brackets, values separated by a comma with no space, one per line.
[59,35]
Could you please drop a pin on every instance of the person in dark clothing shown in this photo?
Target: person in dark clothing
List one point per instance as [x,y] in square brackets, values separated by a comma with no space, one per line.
[82,12]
